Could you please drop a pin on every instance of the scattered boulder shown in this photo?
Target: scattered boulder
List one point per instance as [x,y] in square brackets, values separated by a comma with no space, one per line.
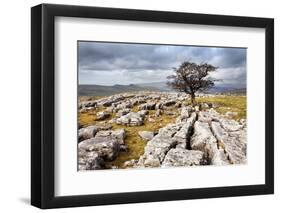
[143,113]
[131,164]
[118,134]
[108,101]
[122,112]
[131,119]
[89,161]
[158,112]
[147,106]
[169,103]
[146,135]
[230,125]
[231,114]
[87,104]
[102,115]
[149,161]
[87,132]
[204,106]
[105,147]
[183,157]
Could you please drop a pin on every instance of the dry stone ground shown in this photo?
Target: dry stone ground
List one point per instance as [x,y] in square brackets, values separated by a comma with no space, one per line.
[199,135]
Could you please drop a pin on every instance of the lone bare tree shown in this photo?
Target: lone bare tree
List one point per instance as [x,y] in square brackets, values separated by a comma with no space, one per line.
[190,78]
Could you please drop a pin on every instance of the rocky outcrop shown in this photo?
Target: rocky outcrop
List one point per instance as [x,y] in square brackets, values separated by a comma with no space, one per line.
[104,146]
[131,119]
[183,157]
[183,135]
[102,115]
[87,104]
[147,106]
[234,143]
[122,112]
[146,135]
[90,161]
[87,133]
[199,135]
[157,148]
[205,141]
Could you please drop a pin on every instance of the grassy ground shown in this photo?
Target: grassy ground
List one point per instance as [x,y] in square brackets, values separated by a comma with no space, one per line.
[136,145]
[224,104]
[134,142]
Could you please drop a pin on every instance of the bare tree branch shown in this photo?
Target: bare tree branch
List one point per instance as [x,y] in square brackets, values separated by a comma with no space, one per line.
[190,78]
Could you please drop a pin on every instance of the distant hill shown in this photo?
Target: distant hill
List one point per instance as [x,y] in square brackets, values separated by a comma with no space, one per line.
[100,90]
[227,89]
[162,86]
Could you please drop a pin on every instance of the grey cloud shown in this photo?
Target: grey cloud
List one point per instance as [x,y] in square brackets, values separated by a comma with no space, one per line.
[145,63]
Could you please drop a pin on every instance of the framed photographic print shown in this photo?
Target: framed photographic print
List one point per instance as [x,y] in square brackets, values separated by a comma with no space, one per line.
[140,106]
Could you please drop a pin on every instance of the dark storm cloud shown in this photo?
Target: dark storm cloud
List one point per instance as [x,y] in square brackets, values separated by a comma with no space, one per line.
[139,63]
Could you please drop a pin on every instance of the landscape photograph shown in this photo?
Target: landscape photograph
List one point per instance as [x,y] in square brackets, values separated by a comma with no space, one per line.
[160,106]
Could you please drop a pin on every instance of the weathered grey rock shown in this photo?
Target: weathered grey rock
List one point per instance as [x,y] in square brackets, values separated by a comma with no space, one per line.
[156,149]
[104,126]
[185,112]
[230,125]
[143,113]
[146,135]
[233,143]
[178,104]
[131,164]
[131,119]
[147,106]
[220,158]
[87,132]
[151,120]
[204,106]
[170,130]
[149,161]
[183,135]
[84,110]
[106,147]
[204,117]
[231,114]
[154,97]
[122,106]
[243,122]
[159,105]
[183,157]
[102,115]
[208,116]
[86,104]
[197,108]
[94,161]
[169,103]
[108,101]
[118,134]
[122,112]
[158,112]
[204,140]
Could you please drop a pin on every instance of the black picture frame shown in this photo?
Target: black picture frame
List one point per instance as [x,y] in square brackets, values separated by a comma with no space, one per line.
[43,102]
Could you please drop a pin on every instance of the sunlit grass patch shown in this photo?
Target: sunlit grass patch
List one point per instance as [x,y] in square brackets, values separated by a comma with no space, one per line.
[133,140]
[223,104]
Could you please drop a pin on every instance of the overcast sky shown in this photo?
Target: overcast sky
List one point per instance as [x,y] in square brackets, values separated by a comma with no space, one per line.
[119,63]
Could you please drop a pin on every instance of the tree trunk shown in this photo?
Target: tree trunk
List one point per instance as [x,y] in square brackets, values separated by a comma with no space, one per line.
[192,98]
